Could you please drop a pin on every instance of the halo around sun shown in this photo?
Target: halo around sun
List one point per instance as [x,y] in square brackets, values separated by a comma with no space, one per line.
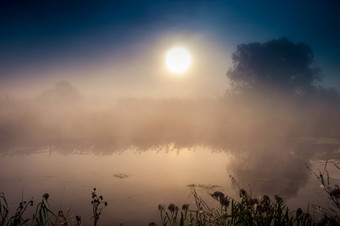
[178,60]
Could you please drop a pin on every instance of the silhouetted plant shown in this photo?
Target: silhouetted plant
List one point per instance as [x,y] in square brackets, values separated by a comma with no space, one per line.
[18,218]
[247,211]
[97,207]
[3,208]
[78,219]
[331,214]
[43,213]
[61,219]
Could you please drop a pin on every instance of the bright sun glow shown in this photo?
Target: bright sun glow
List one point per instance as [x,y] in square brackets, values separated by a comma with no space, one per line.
[178,60]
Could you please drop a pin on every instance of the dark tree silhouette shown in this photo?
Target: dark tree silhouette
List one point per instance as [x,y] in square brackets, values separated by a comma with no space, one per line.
[276,67]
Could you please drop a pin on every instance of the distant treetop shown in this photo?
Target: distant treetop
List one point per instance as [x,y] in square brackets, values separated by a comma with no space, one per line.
[275,67]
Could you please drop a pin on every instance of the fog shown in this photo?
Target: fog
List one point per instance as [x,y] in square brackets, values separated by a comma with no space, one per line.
[272,123]
[271,139]
[90,98]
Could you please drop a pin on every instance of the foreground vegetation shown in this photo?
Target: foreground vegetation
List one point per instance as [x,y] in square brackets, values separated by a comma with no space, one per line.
[254,211]
[227,211]
[43,215]
[248,211]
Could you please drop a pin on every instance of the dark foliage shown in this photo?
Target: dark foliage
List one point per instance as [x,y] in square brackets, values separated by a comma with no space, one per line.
[278,66]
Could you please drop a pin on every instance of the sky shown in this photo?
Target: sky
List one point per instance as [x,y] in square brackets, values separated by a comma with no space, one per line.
[117,48]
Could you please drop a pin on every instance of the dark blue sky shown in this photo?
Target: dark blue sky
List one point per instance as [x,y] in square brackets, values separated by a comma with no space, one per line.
[36,34]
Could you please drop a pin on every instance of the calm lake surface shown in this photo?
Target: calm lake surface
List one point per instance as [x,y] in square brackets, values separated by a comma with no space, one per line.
[134,182]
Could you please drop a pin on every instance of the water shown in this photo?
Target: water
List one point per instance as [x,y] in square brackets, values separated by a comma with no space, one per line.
[149,178]
[141,153]
[135,181]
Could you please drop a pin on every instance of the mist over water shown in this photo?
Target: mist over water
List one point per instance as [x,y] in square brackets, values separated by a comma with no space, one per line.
[271,140]
[147,151]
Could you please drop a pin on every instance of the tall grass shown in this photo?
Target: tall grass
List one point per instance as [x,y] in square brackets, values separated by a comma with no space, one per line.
[254,211]
[97,202]
[332,190]
[247,210]
[43,215]
[228,211]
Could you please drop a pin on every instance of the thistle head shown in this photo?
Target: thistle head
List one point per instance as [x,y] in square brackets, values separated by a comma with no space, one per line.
[161,207]
[172,208]
[225,201]
[185,207]
[45,196]
[278,199]
[242,193]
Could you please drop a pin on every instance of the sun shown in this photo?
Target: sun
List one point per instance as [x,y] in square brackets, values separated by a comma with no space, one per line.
[178,60]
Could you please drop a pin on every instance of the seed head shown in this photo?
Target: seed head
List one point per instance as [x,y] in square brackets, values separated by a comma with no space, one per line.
[278,199]
[265,198]
[185,207]
[217,195]
[335,192]
[298,212]
[161,207]
[224,201]
[172,207]
[243,193]
[45,196]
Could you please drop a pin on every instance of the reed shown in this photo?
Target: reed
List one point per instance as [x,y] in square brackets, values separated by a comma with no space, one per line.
[228,211]
[43,215]
[247,210]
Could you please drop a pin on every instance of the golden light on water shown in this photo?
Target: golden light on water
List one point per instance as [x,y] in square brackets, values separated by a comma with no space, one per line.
[178,60]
